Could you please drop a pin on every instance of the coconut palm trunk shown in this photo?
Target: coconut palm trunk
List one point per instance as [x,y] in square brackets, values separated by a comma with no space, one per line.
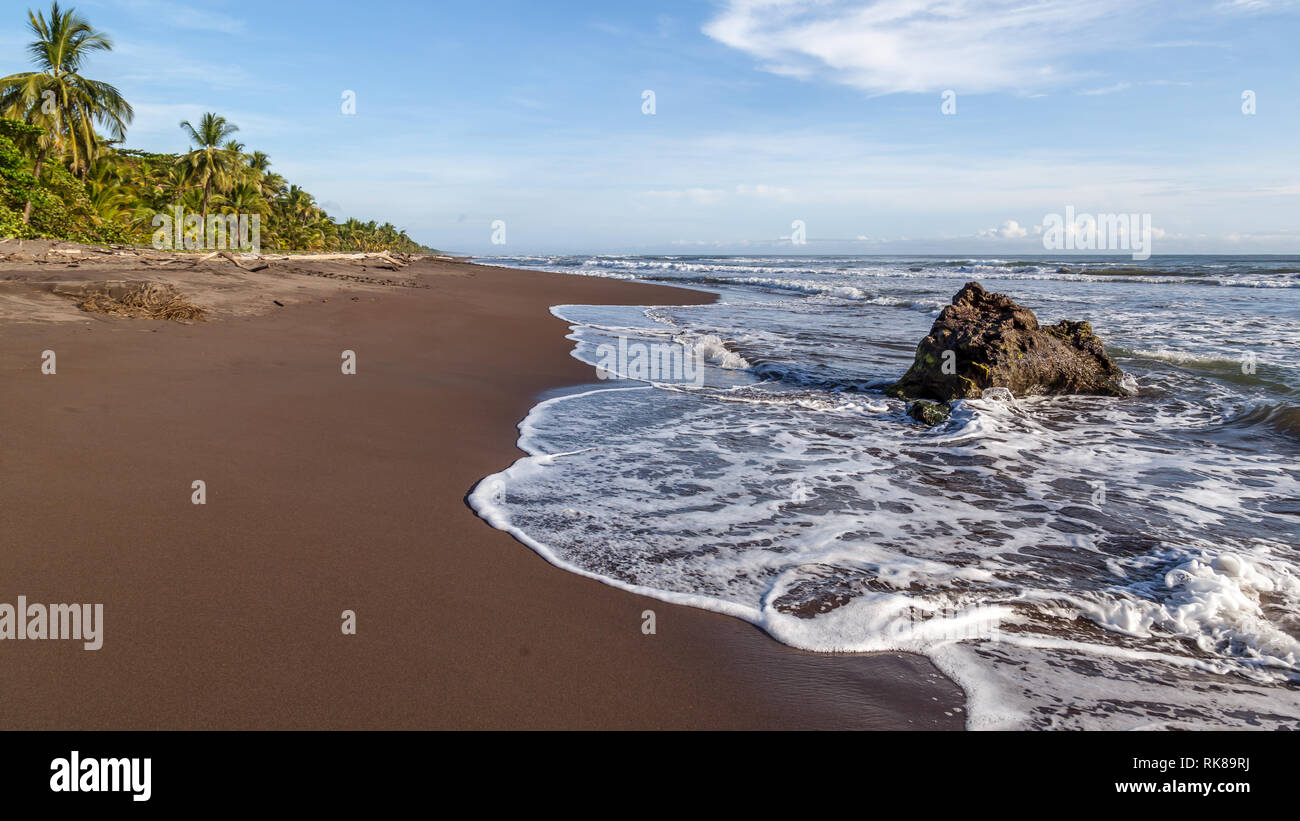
[40,161]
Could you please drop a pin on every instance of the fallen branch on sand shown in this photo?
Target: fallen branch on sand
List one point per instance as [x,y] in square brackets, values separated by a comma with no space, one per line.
[385,259]
[259,266]
[384,255]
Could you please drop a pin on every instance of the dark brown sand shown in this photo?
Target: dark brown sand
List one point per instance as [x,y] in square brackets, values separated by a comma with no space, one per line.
[328,493]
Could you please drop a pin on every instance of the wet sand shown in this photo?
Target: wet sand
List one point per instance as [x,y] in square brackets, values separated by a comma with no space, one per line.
[327,493]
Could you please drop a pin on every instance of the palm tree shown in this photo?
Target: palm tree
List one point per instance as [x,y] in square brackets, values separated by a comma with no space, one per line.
[273,185]
[259,162]
[172,182]
[57,97]
[246,198]
[300,205]
[259,173]
[211,163]
[109,199]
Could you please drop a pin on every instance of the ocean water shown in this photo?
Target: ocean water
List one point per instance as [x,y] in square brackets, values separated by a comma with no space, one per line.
[1071,562]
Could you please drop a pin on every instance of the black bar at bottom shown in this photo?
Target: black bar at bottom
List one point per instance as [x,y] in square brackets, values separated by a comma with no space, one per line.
[209,770]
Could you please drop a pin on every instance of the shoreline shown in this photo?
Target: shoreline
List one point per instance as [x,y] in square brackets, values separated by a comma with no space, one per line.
[328,493]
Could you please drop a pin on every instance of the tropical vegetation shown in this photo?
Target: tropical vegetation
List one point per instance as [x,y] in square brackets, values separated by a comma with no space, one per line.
[65,175]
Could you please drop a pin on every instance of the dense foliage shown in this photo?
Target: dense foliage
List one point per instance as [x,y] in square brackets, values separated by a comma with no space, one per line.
[61,178]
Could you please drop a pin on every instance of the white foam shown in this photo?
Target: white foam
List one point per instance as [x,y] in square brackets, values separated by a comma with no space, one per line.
[1070,562]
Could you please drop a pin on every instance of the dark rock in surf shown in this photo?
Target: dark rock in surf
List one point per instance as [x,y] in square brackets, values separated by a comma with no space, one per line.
[985,340]
[928,413]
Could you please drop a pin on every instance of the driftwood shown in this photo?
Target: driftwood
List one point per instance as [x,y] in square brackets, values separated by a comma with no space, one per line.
[383,256]
[258,266]
[386,259]
[226,255]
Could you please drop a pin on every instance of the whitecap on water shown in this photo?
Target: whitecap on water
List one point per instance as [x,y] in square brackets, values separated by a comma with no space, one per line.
[1071,562]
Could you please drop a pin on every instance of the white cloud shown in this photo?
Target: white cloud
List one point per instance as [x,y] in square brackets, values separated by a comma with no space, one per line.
[1010,230]
[165,66]
[768,192]
[1254,5]
[698,196]
[889,46]
[562,196]
[1237,238]
[208,18]
[1093,92]
[156,122]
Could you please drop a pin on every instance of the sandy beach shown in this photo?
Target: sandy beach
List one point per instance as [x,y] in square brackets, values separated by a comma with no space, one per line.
[329,492]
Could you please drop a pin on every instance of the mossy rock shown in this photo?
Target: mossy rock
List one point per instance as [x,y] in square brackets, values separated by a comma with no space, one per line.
[929,413]
[1000,344]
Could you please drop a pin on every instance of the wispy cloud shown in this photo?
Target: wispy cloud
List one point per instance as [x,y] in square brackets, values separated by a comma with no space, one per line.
[766,192]
[165,67]
[209,17]
[607,28]
[698,196]
[162,120]
[1256,5]
[928,45]
[1094,92]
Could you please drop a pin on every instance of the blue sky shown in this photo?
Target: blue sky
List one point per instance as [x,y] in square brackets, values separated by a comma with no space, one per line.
[766,112]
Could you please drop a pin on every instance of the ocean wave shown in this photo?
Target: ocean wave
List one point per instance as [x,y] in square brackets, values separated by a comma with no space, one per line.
[1241,370]
[845,529]
[714,350]
[741,271]
[1213,598]
[1136,554]
[1256,283]
[819,288]
[1284,419]
[801,376]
